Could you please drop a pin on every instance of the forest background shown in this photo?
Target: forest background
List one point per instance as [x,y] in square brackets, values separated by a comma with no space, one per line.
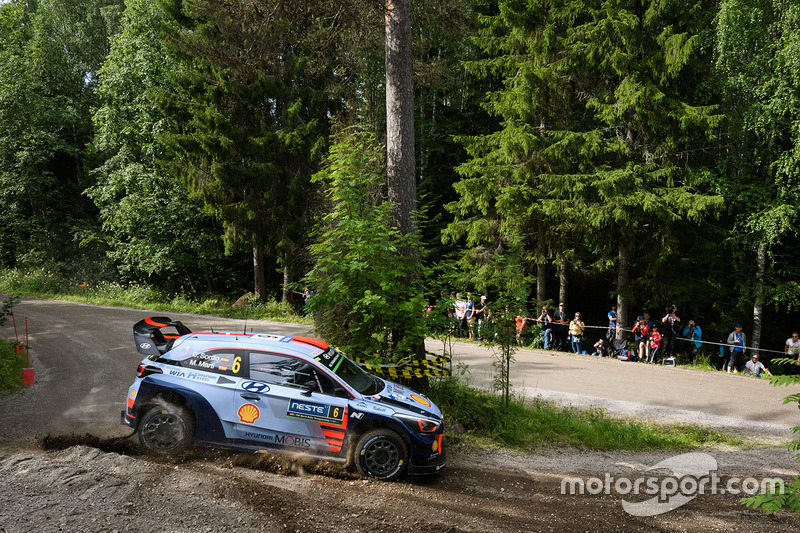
[630,151]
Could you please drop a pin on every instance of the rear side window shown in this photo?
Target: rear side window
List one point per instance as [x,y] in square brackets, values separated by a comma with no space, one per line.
[287,371]
[226,362]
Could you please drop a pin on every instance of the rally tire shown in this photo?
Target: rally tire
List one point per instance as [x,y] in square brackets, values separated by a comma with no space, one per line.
[167,429]
[381,454]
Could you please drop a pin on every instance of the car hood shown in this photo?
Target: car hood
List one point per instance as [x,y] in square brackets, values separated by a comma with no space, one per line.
[399,397]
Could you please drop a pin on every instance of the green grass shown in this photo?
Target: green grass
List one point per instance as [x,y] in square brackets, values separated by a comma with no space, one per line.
[527,424]
[43,283]
[11,365]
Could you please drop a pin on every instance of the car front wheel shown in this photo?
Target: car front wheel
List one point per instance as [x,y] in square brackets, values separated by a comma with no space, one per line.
[381,454]
[167,429]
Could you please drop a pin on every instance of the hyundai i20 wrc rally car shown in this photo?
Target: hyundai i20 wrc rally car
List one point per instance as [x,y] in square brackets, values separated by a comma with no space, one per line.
[264,392]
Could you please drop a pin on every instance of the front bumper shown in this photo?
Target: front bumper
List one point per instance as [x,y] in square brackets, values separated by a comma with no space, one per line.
[427,466]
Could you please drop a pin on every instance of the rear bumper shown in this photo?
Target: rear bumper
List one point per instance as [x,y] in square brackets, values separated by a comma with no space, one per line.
[126,420]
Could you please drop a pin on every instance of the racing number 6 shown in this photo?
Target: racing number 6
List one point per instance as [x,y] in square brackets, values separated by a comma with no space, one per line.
[237,365]
[335,412]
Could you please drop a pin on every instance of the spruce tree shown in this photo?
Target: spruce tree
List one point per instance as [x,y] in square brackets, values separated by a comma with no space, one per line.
[599,137]
[250,105]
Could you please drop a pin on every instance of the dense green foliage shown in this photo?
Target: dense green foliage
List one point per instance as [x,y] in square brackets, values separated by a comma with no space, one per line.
[630,149]
[153,232]
[757,49]
[50,53]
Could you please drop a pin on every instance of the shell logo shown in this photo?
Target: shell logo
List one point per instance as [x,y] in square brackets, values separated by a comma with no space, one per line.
[248,413]
[421,400]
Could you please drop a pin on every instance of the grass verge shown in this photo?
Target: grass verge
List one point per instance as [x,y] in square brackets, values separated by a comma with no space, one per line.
[527,424]
[11,365]
[52,286]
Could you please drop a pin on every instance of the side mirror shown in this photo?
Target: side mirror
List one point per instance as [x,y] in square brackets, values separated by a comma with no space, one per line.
[341,393]
[308,388]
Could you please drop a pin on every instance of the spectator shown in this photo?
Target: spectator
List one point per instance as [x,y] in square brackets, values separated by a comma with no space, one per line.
[470,316]
[723,356]
[669,330]
[560,321]
[460,315]
[737,341]
[754,367]
[600,348]
[693,333]
[650,325]
[792,350]
[611,333]
[576,328]
[547,326]
[480,316]
[522,325]
[641,336]
[655,343]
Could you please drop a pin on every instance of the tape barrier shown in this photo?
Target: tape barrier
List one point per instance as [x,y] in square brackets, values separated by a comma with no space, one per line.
[408,368]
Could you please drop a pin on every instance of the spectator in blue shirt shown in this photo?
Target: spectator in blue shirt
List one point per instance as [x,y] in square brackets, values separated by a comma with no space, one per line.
[612,323]
[692,332]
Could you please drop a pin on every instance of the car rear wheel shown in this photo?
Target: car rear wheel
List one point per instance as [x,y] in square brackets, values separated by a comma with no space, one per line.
[381,454]
[167,429]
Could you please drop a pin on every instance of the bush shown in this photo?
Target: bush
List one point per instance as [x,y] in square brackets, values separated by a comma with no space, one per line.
[367,299]
[11,365]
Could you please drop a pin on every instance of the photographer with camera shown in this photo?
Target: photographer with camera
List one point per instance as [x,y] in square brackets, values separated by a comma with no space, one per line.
[671,323]
[693,333]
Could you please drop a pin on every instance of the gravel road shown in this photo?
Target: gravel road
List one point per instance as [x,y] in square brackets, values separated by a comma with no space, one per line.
[66,464]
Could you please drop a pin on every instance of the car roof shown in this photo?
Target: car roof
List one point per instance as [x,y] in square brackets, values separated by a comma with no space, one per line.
[304,347]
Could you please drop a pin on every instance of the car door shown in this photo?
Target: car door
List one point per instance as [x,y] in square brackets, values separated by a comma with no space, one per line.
[288,403]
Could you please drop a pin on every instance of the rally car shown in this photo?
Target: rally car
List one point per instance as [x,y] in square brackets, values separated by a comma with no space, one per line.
[264,392]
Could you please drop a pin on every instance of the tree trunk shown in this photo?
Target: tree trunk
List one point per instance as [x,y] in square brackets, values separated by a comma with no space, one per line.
[258,273]
[623,278]
[287,280]
[401,180]
[400,171]
[563,278]
[541,265]
[758,296]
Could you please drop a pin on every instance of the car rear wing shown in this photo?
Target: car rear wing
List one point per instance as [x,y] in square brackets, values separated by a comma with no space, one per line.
[149,338]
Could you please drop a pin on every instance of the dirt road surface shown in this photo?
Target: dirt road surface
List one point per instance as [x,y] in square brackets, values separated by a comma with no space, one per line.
[66,464]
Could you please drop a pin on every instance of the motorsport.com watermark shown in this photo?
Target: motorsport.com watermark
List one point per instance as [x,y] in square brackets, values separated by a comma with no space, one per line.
[693,474]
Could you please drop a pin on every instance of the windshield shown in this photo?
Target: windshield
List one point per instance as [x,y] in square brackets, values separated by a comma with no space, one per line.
[351,373]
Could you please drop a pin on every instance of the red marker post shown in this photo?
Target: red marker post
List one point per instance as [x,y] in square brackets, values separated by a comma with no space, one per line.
[19,348]
[27,373]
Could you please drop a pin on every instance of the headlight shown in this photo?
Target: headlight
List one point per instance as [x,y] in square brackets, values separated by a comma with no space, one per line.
[415,423]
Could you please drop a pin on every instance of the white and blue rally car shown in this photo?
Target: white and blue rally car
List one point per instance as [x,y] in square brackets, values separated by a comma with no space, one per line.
[264,392]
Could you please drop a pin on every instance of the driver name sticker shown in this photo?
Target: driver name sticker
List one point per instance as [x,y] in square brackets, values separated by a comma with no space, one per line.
[315,411]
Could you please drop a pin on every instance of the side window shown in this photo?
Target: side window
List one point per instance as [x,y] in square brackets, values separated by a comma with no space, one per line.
[227,362]
[287,371]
